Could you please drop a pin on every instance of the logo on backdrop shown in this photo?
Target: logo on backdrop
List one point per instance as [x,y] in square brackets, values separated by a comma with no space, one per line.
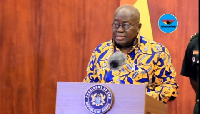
[98,99]
[167,23]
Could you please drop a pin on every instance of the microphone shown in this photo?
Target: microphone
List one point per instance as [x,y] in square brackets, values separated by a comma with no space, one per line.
[116,60]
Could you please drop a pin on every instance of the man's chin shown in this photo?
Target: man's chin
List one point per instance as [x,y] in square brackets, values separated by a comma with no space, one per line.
[120,43]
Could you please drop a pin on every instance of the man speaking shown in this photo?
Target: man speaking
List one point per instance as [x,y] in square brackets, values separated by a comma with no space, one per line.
[129,58]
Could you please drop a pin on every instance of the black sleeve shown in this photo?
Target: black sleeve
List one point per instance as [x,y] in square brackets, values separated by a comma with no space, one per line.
[188,68]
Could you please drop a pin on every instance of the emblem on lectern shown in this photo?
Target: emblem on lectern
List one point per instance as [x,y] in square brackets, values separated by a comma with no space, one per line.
[98,99]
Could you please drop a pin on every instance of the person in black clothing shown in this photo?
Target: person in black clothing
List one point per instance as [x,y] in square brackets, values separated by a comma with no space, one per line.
[190,67]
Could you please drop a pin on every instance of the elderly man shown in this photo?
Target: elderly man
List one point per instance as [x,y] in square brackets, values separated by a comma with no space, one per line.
[146,62]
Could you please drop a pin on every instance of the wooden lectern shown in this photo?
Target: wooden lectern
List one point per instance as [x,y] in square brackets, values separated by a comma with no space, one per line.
[128,99]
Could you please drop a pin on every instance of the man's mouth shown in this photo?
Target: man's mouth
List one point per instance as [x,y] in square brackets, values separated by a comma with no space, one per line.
[120,37]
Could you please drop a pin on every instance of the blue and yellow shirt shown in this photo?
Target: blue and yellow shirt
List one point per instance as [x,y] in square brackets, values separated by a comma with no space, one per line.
[147,63]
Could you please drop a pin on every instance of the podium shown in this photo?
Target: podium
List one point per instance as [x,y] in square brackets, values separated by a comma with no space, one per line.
[128,99]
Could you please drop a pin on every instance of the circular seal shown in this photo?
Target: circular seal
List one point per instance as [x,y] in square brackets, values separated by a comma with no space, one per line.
[98,99]
[167,23]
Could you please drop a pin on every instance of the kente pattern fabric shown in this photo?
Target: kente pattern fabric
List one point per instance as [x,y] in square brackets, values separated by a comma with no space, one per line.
[147,63]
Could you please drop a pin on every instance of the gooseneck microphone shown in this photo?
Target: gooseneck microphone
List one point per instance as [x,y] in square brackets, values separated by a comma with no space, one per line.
[116,60]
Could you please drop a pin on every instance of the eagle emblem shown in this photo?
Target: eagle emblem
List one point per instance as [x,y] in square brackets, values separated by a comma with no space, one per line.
[98,99]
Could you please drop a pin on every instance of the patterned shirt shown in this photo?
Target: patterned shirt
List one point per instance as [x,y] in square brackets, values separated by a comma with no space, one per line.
[147,63]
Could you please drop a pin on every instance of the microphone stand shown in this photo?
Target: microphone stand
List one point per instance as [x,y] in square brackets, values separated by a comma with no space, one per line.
[107,75]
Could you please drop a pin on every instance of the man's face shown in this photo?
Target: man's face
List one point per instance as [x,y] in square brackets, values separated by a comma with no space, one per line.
[125,34]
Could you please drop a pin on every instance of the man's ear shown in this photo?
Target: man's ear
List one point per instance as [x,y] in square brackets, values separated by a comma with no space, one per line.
[139,26]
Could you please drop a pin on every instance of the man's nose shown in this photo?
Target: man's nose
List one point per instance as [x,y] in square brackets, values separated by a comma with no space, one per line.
[120,29]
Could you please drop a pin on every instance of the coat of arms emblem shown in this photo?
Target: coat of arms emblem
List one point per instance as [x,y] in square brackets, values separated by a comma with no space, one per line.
[98,99]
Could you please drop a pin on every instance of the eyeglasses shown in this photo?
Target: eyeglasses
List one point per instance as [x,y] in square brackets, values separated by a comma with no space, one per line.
[125,26]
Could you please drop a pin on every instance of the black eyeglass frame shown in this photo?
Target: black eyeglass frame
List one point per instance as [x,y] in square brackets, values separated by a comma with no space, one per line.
[124,28]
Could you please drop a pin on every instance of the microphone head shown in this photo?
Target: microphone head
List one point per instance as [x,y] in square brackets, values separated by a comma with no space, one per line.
[117,60]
